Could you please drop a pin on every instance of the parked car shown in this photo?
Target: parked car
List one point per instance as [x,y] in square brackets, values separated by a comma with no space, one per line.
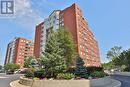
[9,72]
[23,71]
[2,71]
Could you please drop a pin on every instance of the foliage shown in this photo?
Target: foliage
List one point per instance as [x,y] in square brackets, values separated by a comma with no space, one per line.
[30,62]
[29,73]
[94,69]
[59,53]
[98,74]
[127,69]
[114,52]
[124,59]
[35,78]
[71,70]
[52,60]
[120,59]
[39,74]
[66,43]
[108,65]
[11,67]
[65,76]
[81,70]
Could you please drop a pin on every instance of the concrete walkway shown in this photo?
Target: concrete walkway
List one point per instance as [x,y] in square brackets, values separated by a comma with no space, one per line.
[3,77]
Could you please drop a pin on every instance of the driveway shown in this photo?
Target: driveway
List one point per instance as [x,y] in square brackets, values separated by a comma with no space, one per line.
[6,79]
[125,80]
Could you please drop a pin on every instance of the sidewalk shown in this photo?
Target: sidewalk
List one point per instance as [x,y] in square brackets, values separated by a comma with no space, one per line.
[123,73]
[3,77]
[17,84]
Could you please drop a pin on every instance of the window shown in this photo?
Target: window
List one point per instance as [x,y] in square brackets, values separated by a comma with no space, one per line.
[61,15]
[80,46]
[19,61]
[81,53]
[86,50]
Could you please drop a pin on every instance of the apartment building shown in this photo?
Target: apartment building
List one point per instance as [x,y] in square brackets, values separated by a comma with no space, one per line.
[18,50]
[70,18]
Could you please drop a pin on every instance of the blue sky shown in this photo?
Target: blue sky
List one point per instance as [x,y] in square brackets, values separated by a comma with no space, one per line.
[108,19]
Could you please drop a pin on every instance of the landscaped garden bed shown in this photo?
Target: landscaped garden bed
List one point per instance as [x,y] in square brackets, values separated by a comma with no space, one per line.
[54,83]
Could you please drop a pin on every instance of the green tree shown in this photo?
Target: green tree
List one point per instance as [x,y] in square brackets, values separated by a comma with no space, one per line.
[108,65]
[81,70]
[52,60]
[114,52]
[125,58]
[30,62]
[11,67]
[59,52]
[66,43]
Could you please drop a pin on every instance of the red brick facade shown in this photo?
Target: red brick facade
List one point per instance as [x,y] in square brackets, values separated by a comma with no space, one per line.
[22,48]
[37,45]
[87,47]
[72,19]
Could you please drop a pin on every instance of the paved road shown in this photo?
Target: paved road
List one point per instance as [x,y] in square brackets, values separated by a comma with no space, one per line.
[125,80]
[6,79]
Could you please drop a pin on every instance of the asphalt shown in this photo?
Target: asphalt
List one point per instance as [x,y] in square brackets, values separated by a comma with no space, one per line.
[125,80]
[6,79]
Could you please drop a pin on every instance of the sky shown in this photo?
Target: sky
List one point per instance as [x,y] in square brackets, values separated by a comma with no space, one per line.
[109,20]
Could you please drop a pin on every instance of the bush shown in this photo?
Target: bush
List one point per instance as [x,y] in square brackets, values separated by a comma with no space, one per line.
[127,69]
[65,76]
[94,69]
[35,78]
[98,74]
[81,70]
[39,74]
[71,70]
[29,73]
[11,67]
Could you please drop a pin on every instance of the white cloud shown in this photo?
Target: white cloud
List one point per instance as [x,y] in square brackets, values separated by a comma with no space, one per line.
[25,14]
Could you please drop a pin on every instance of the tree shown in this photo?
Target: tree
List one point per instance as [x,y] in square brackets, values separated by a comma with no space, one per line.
[80,68]
[125,58]
[108,65]
[11,67]
[52,59]
[66,43]
[30,62]
[59,52]
[114,52]
[119,59]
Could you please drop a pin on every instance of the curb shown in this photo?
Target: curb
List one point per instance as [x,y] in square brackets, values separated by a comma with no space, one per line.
[17,84]
[123,73]
[105,82]
[117,83]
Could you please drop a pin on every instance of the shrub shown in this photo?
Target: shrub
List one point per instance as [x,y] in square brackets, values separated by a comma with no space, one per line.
[81,70]
[39,74]
[98,74]
[127,69]
[65,76]
[29,73]
[71,70]
[94,69]
[11,67]
[35,78]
